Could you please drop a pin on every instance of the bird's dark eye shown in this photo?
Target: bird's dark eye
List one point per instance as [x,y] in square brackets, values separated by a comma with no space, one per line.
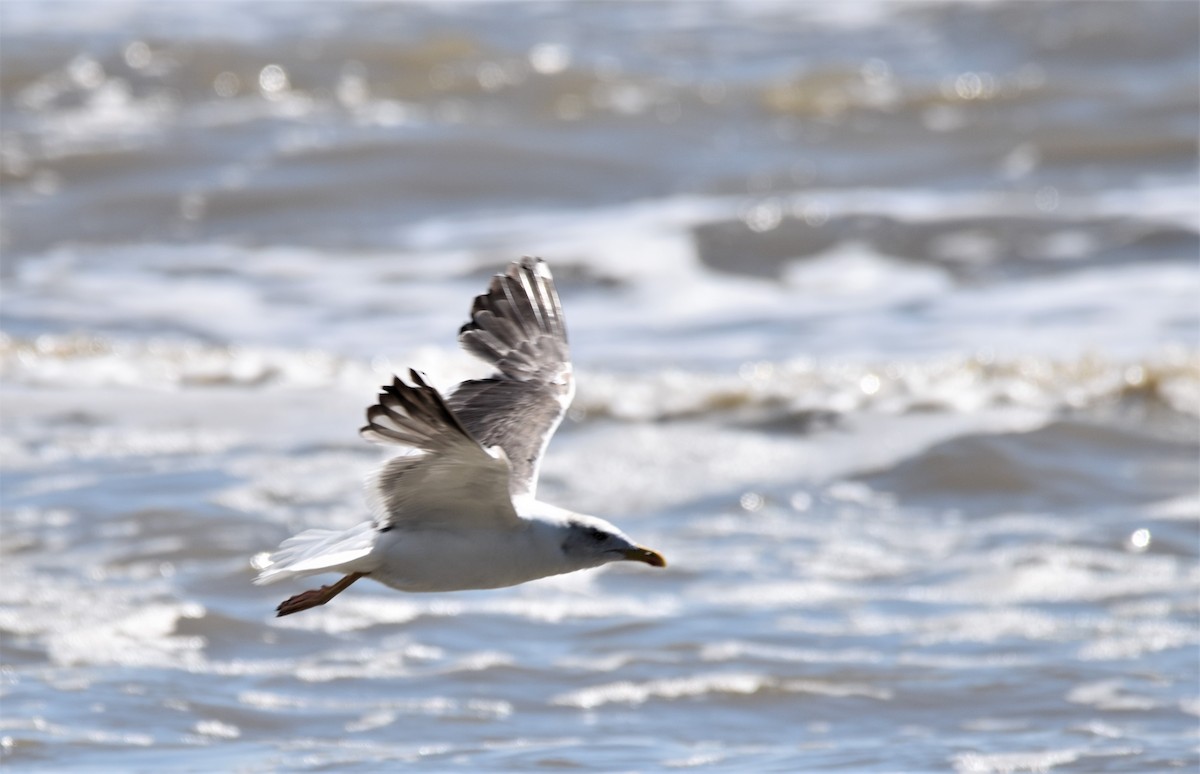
[596,535]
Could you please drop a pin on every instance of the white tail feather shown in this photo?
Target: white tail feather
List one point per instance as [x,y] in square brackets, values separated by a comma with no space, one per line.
[320,550]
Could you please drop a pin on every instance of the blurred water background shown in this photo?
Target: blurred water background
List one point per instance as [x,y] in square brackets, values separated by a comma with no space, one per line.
[885,321]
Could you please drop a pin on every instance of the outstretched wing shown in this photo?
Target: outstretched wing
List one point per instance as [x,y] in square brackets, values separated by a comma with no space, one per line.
[449,479]
[517,326]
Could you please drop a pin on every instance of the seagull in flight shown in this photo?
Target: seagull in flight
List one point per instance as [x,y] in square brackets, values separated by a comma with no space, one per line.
[459,509]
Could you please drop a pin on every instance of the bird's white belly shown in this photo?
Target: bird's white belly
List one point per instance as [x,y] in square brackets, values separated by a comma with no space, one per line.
[436,560]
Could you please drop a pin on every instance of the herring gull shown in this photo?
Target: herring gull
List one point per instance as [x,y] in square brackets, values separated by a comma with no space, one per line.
[459,510]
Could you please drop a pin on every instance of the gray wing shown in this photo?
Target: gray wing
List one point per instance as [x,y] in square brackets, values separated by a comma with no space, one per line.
[517,326]
[449,479]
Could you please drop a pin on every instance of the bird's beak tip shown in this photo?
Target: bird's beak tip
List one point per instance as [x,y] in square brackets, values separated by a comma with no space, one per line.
[652,558]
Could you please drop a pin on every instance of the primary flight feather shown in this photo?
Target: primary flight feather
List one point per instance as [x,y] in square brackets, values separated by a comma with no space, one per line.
[459,510]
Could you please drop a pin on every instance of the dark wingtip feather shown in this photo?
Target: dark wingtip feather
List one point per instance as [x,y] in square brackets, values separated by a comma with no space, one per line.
[414,415]
[520,306]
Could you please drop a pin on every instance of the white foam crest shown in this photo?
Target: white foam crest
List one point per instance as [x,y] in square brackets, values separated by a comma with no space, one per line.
[616,241]
[998,624]
[70,734]
[1111,696]
[1182,508]
[217,729]
[548,609]
[399,661]
[768,595]
[141,638]
[437,706]
[30,458]
[1135,639]
[115,626]
[611,662]
[371,721]
[699,760]
[479,662]
[312,753]
[137,638]
[116,443]
[952,661]
[95,362]
[267,297]
[709,684]
[325,673]
[852,292]
[1101,637]
[714,458]
[850,275]
[961,383]
[87,361]
[1057,573]
[736,650]
[98,18]
[1010,763]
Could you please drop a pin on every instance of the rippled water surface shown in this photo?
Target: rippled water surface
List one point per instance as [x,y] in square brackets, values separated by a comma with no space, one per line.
[885,325]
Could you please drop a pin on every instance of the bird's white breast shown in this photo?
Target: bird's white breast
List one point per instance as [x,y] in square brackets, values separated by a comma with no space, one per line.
[455,560]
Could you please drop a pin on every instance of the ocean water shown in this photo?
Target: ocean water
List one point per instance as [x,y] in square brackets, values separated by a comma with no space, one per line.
[886,326]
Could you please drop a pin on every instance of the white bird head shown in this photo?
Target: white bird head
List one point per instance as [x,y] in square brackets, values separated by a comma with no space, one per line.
[591,542]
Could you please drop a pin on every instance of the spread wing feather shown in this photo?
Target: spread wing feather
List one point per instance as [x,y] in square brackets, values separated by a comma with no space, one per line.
[517,326]
[447,480]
